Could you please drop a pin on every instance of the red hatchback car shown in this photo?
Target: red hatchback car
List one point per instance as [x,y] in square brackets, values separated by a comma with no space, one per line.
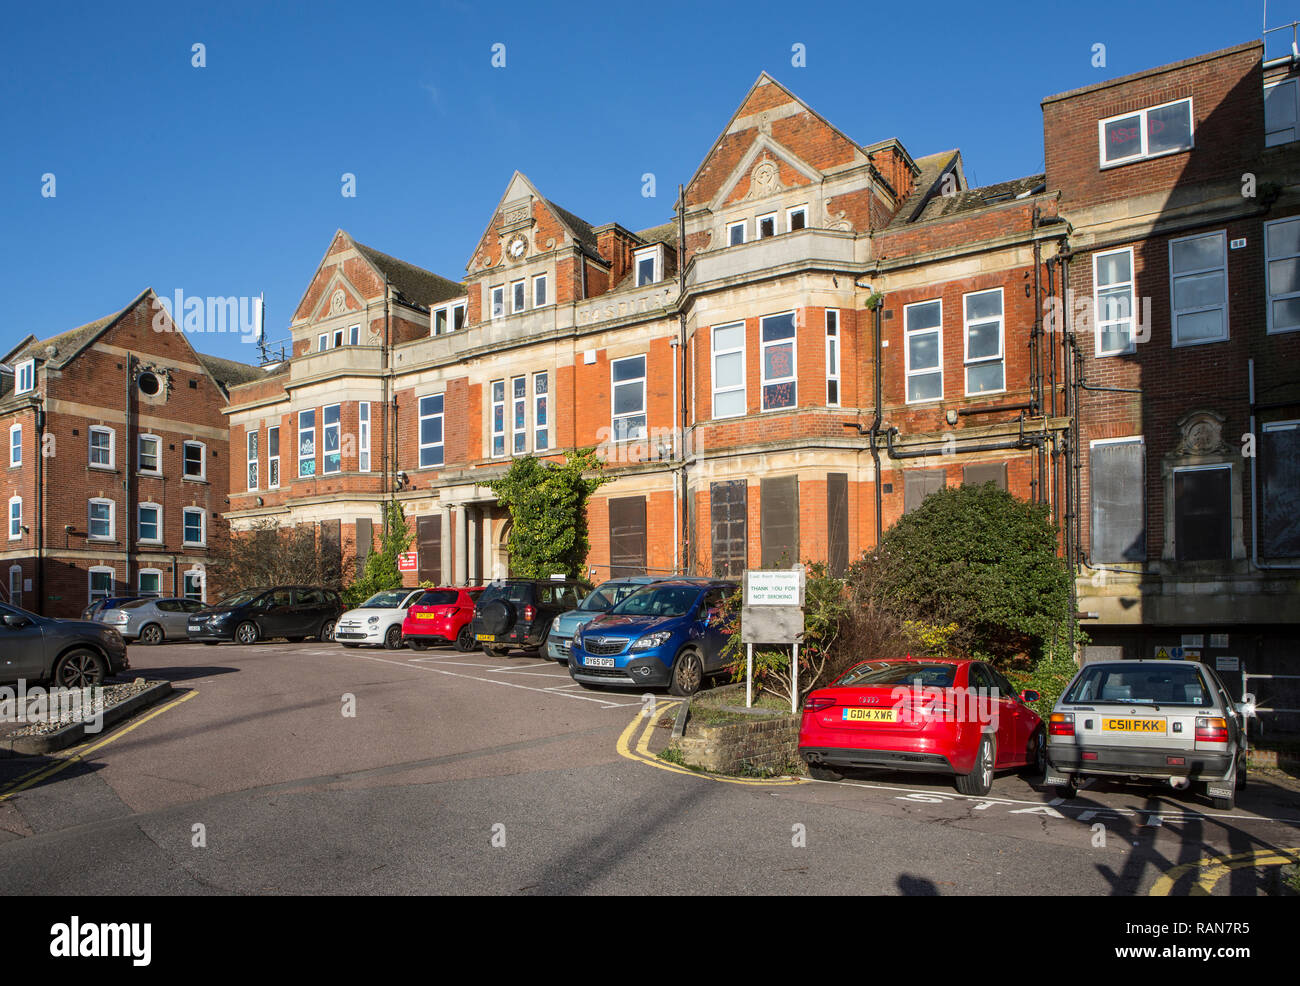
[956,717]
[440,617]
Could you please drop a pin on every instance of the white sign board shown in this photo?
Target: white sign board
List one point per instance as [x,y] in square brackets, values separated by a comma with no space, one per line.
[778,588]
[1227,664]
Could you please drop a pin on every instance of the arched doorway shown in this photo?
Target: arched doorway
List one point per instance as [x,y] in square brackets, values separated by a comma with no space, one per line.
[499,563]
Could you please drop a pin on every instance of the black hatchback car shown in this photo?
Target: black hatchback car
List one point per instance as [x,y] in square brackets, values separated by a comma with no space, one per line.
[69,653]
[294,612]
[518,612]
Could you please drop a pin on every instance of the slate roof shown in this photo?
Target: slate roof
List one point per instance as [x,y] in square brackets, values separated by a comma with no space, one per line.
[227,372]
[581,229]
[663,233]
[415,285]
[977,198]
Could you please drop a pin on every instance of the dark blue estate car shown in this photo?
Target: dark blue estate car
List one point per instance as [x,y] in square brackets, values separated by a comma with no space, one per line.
[668,633]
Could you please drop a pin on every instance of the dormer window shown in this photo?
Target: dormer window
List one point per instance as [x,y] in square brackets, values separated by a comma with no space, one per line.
[1160,130]
[649,265]
[449,318]
[25,376]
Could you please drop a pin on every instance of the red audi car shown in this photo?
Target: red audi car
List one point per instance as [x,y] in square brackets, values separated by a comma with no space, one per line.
[958,717]
[442,616]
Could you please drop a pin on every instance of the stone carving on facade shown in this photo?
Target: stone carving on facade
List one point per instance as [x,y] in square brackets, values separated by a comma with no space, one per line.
[1201,433]
[764,180]
[835,220]
[338,302]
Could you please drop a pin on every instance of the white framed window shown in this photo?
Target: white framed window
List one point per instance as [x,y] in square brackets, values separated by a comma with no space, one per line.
[736,232]
[332,434]
[649,265]
[498,418]
[194,456]
[1281,112]
[25,376]
[1282,259]
[354,335]
[149,454]
[193,527]
[15,518]
[983,346]
[363,436]
[306,443]
[766,225]
[322,342]
[148,525]
[149,582]
[519,415]
[252,460]
[101,523]
[779,360]
[99,580]
[518,297]
[923,350]
[499,301]
[832,357]
[15,445]
[103,447]
[449,318]
[541,412]
[273,457]
[431,441]
[1113,302]
[338,338]
[728,342]
[1198,288]
[796,218]
[15,585]
[540,296]
[193,584]
[628,411]
[1148,133]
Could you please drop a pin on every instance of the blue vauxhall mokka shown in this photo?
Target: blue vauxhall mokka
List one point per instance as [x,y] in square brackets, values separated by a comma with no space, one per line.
[668,633]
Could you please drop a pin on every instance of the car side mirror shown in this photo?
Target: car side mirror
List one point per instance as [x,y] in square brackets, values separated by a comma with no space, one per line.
[1029,696]
[16,621]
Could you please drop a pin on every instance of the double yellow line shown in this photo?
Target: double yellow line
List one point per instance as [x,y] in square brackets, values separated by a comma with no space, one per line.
[1215,868]
[641,753]
[79,753]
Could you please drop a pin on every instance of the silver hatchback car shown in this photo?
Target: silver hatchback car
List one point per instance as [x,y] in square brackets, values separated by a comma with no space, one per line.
[1149,720]
[152,621]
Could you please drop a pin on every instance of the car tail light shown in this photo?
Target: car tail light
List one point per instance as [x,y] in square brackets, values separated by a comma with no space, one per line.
[815,703]
[1061,724]
[529,613]
[1210,730]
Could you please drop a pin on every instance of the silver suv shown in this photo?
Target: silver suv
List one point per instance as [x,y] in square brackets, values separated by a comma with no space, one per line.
[1149,720]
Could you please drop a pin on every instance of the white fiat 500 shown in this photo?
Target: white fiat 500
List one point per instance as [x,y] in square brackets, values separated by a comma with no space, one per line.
[1149,720]
[378,620]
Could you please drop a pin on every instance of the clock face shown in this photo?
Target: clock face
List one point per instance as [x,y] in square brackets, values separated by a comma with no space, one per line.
[516,247]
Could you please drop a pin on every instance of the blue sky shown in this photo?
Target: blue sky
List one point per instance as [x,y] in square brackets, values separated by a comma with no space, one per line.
[225,180]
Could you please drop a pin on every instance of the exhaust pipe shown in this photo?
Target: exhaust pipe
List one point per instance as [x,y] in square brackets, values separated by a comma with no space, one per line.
[1180,783]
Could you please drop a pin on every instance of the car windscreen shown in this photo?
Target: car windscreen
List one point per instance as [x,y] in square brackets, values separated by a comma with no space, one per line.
[1176,684]
[385,600]
[608,595]
[658,600]
[239,598]
[900,673]
[438,597]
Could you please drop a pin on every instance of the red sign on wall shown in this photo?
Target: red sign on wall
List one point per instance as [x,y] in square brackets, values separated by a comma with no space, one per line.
[408,561]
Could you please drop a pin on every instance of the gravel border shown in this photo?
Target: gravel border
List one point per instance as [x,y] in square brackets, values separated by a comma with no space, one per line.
[36,743]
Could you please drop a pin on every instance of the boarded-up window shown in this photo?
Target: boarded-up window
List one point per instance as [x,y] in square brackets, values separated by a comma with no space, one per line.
[837,522]
[1279,479]
[920,483]
[428,544]
[626,536]
[728,504]
[779,521]
[331,550]
[987,472]
[1202,514]
[365,541]
[1118,488]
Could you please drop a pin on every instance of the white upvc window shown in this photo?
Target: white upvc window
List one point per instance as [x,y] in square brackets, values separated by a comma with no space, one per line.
[649,265]
[541,412]
[25,376]
[499,301]
[1282,259]
[101,523]
[338,338]
[518,415]
[1148,133]
[541,298]
[983,330]
[307,443]
[103,447]
[923,351]
[728,343]
[15,445]
[332,435]
[1198,288]
[273,457]
[736,232]
[150,582]
[15,518]
[149,454]
[766,225]
[15,585]
[100,583]
[193,528]
[448,318]
[432,407]
[363,436]
[253,463]
[832,357]
[1113,302]
[778,358]
[193,584]
[194,460]
[1281,112]
[149,523]
[498,418]
[518,297]
[354,335]
[628,407]
[796,218]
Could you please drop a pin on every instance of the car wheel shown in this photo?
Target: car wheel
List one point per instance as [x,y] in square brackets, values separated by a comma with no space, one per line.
[151,635]
[393,638]
[1037,765]
[818,772]
[326,632]
[688,674]
[980,779]
[80,668]
[247,633]
[1070,789]
[465,639]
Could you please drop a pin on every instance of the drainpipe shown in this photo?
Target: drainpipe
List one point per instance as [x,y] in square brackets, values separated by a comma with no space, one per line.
[1254,488]
[39,575]
[878,413]
[681,488]
[129,451]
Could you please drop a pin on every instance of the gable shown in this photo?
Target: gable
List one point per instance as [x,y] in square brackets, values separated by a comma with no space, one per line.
[523,210]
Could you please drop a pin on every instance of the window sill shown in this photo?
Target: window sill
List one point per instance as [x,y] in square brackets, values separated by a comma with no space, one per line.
[111,469]
[201,480]
[143,474]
